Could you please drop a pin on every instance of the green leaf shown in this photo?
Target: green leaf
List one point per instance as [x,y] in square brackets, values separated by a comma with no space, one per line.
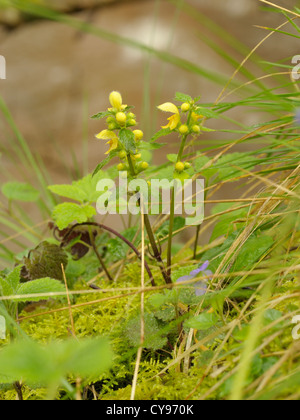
[202,322]
[84,190]
[126,138]
[182,97]
[45,285]
[208,113]
[69,191]
[253,250]
[10,283]
[44,261]
[67,213]
[153,337]
[47,364]
[20,192]
[143,145]
[161,133]
[101,115]
[227,222]
[104,162]
[272,315]
[172,157]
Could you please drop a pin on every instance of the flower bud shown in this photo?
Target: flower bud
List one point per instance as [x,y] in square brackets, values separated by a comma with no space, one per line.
[179,167]
[185,107]
[187,165]
[145,165]
[131,122]
[196,129]
[115,99]
[138,135]
[122,154]
[121,118]
[121,167]
[183,129]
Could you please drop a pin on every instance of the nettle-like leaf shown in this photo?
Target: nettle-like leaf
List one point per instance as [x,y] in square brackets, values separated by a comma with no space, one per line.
[48,364]
[153,337]
[161,133]
[44,261]
[182,97]
[46,285]
[84,190]
[202,322]
[10,283]
[101,115]
[20,192]
[126,138]
[67,213]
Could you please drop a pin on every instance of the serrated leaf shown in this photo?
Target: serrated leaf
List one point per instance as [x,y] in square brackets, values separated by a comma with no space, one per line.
[44,261]
[153,337]
[104,162]
[127,139]
[101,115]
[20,192]
[67,213]
[143,145]
[46,285]
[161,133]
[84,190]
[172,157]
[202,322]
[182,97]
[69,191]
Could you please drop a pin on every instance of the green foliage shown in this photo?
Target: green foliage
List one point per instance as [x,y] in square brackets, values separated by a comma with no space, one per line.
[20,192]
[44,261]
[66,213]
[48,364]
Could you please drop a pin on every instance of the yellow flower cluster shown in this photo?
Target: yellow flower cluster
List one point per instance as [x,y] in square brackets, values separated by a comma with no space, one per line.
[120,117]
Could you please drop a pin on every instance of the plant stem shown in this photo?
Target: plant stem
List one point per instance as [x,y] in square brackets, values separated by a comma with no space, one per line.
[171,227]
[94,246]
[172,208]
[150,233]
[108,229]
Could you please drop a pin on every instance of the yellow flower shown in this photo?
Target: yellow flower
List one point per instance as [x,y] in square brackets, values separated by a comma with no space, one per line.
[112,137]
[174,120]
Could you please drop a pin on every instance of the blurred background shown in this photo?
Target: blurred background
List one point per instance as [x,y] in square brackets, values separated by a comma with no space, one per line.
[64,57]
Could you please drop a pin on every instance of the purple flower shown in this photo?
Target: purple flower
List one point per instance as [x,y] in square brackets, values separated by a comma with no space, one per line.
[201,286]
